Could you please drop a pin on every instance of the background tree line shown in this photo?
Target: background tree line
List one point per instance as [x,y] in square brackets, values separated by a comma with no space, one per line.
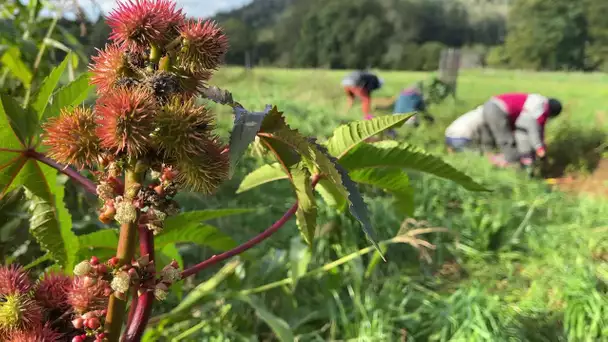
[409,34]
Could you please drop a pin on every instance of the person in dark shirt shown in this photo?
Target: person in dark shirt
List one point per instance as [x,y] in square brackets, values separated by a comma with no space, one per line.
[361,84]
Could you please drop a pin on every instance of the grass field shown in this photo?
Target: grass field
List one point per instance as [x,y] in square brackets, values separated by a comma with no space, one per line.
[529,263]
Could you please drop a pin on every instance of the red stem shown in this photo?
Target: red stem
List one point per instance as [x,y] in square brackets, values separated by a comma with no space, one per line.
[143,309]
[86,183]
[249,244]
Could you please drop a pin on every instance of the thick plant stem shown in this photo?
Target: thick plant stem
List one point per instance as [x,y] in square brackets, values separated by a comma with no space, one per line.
[143,310]
[249,244]
[127,242]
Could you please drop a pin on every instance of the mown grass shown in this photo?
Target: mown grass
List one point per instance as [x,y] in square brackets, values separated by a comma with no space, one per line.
[524,262]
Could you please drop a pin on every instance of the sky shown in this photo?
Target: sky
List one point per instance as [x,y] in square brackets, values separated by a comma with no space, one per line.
[192,8]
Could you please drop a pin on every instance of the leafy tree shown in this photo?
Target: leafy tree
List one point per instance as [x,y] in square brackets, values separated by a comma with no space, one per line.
[547,34]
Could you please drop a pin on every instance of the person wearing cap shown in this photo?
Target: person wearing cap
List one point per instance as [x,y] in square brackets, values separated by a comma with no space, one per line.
[361,84]
[515,123]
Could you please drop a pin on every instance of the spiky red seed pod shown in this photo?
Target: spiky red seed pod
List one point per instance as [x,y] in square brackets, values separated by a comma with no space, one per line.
[183,128]
[36,334]
[52,291]
[87,297]
[71,137]
[126,120]
[13,280]
[94,260]
[137,24]
[108,67]
[18,311]
[205,171]
[204,46]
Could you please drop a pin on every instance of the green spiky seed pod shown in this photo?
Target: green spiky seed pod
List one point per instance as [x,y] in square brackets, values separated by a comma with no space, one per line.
[183,129]
[18,312]
[205,171]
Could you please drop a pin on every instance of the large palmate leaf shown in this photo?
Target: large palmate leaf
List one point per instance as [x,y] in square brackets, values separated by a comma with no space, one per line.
[188,227]
[51,223]
[394,181]
[350,135]
[23,122]
[47,87]
[246,127]
[284,141]
[72,94]
[280,328]
[403,155]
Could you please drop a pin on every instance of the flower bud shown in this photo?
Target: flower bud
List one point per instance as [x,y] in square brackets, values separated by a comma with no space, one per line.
[83,268]
[121,282]
[78,323]
[92,323]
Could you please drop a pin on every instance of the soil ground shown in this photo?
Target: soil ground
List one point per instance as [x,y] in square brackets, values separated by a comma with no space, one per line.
[595,184]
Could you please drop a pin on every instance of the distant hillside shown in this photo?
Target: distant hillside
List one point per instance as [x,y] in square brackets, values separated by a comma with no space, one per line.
[257,14]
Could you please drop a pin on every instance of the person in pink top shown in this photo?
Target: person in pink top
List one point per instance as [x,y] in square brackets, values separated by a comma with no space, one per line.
[515,123]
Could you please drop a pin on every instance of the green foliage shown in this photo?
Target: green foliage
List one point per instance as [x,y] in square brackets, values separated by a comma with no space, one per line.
[12,61]
[403,155]
[278,325]
[187,227]
[72,94]
[43,96]
[51,223]
[546,35]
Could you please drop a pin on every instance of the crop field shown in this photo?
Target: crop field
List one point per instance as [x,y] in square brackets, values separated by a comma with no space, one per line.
[526,262]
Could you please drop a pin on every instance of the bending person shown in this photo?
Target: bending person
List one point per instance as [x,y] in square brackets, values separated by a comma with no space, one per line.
[361,84]
[515,122]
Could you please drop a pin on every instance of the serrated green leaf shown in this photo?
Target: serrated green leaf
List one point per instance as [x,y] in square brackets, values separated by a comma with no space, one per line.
[299,259]
[403,155]
[265,174]
[48,86]
[12,60]
[187,227]
[394,181]
[331,195]
[306,215]
[51,223]
[280,328]
[357,206]
[72,94]
[275,128]
[24,122]
[350,135]
[316,157]
[246,126]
